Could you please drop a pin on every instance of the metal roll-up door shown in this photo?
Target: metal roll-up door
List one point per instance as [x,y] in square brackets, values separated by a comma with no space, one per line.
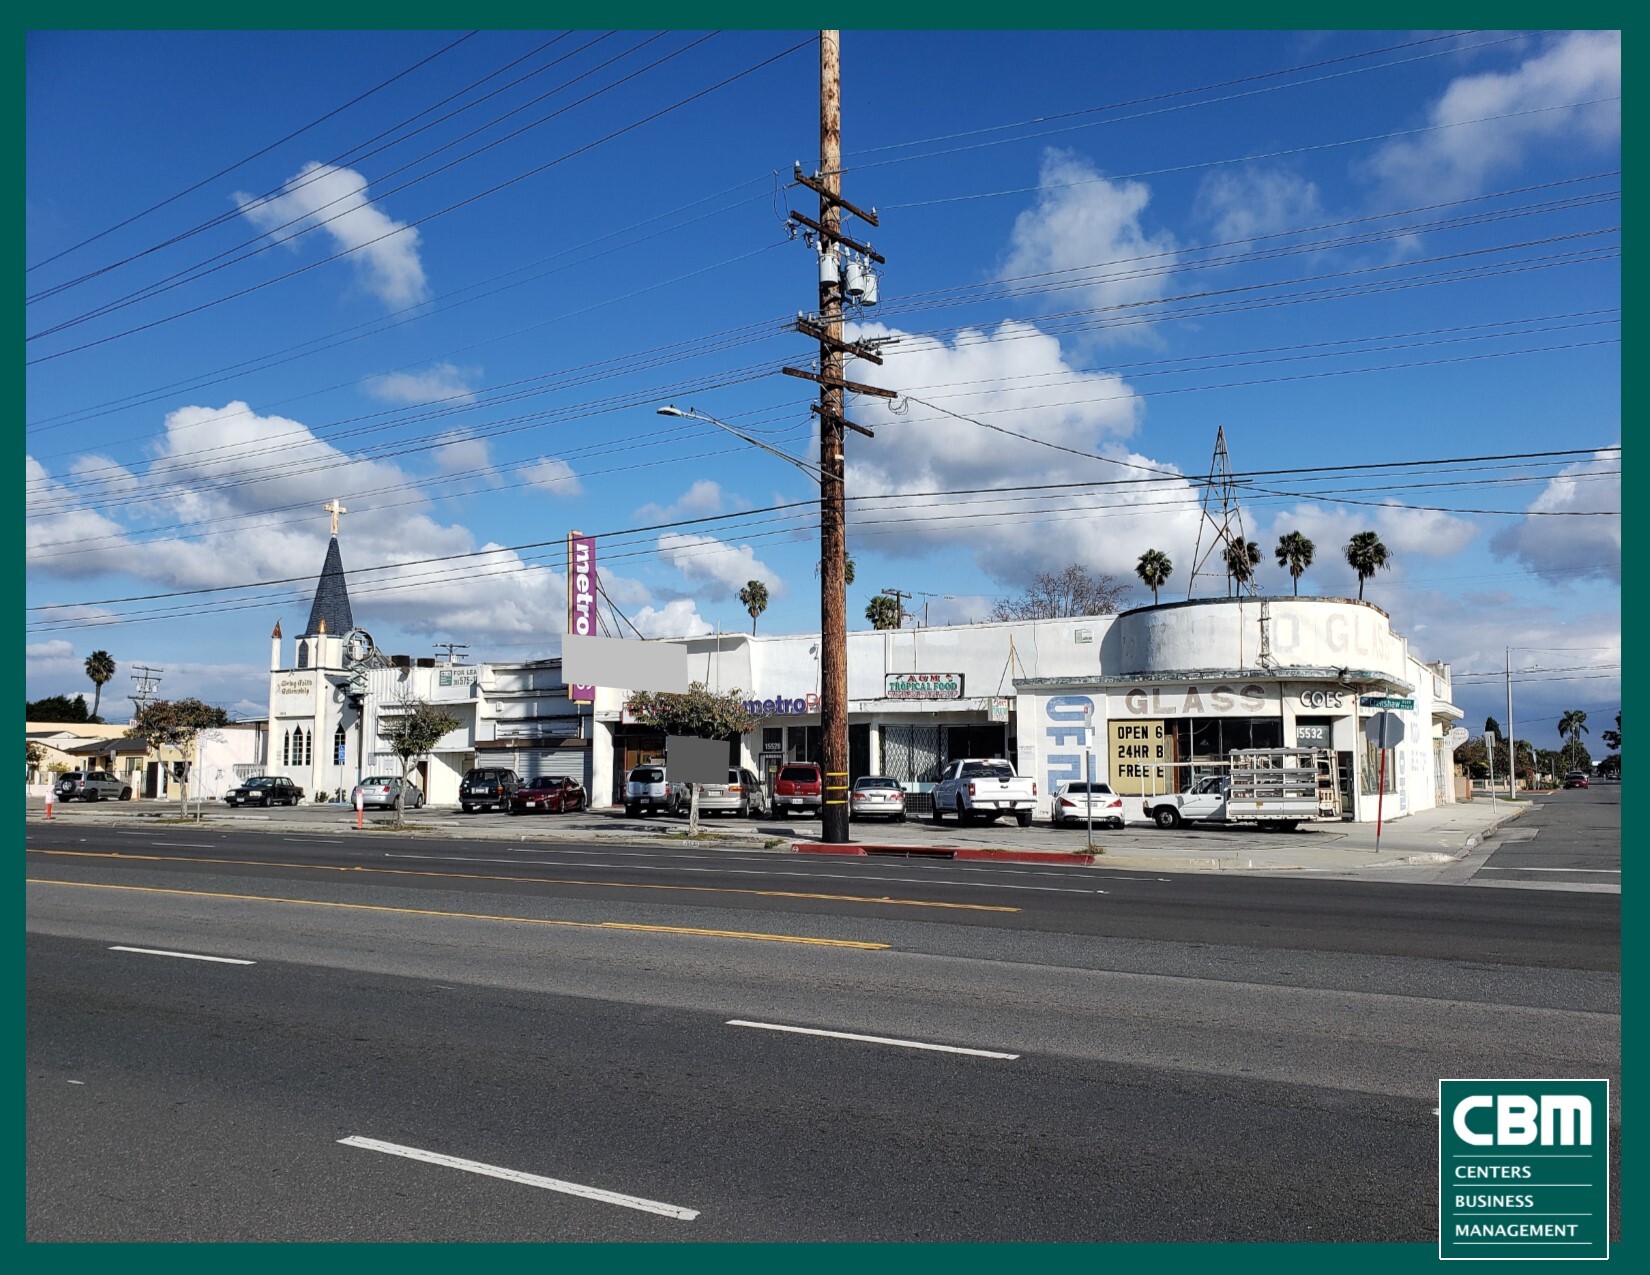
[553,763]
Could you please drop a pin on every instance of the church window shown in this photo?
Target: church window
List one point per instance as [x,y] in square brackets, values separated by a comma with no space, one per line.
[286,749]
[339,745]
[303,655]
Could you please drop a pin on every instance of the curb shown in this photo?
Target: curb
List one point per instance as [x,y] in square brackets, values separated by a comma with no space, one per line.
[1079,858]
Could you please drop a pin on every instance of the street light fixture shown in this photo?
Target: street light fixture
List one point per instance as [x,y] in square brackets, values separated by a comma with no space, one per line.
[813,471]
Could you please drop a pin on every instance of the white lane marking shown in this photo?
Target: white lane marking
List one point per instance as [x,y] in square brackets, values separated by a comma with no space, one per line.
[873,1040]
[1488,867]
[315,841]
[526,1179]
[745,872]
[192,845]
[77,1082]
[188,956]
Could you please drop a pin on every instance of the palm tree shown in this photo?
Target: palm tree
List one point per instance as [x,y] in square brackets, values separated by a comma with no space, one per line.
[883,612]
[100,667]
[1295,552]
[1242,557]
[1574,724]
[1154,569]
[847,568]
[754,596]
[1365,554]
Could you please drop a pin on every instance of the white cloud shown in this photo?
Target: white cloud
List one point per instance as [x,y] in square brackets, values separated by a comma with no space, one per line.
[1085,232]
[720,569]
[1407,533]
[1251,201]
[1559,546]
[702,498]
[443,383]
[64,536]
[57,649]
[383,251]
[1017,378]
[1452,162]
[554,476]
[674,619]
[464,455]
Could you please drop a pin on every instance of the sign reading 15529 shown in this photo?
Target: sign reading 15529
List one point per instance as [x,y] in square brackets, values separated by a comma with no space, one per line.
[1524,1169]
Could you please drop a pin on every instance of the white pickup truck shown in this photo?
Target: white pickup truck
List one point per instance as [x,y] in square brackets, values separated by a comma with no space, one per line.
[983,788]
[1274,788]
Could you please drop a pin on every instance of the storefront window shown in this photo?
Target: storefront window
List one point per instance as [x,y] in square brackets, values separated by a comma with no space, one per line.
[1371,770]
[804,743]
[911,754]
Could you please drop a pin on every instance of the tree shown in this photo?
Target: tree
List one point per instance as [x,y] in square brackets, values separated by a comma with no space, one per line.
[1574,724]
[1493,727]
[1612,738]
[883,612]
[178,723]
[100,667]
[754,596]
[1295,552]
[847,568]
[37,754]
[1054,595]
[701,713]
[56,708]
[1366,555]
[411,734]
[1154,569]
[1242,557]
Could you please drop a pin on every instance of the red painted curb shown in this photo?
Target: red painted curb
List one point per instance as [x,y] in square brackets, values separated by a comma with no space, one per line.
[946,852]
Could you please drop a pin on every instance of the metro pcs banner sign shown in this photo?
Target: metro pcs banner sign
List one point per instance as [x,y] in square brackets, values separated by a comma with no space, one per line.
[581,599]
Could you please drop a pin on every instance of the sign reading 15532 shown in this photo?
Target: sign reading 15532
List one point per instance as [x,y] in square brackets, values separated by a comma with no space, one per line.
[1524,1169]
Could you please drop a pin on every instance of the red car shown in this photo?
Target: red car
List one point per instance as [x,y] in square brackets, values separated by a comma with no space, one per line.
[1576,779]
[800,786]
[542,795]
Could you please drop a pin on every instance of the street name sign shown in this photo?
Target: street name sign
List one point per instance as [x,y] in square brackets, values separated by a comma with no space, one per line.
[1384,701]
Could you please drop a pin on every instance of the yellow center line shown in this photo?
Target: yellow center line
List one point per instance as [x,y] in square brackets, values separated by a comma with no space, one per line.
[478,916]
[486,876]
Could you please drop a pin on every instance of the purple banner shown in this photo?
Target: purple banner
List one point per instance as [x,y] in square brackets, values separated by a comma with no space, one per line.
[581,599]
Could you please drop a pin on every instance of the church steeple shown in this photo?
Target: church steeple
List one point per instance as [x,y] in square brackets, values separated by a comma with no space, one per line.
[330,612]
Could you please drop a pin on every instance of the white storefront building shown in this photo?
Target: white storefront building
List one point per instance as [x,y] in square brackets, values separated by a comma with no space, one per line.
[1146,699]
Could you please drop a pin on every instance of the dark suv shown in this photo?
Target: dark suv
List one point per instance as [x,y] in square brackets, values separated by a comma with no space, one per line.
[487,786]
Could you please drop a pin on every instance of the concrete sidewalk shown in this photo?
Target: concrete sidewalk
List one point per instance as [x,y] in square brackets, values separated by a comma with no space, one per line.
[1440,845]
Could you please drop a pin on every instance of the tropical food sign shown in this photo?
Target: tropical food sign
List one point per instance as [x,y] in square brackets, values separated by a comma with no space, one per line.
[922,686]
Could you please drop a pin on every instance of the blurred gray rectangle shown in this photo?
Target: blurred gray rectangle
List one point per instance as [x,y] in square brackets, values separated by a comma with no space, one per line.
[690,760]
[628,666]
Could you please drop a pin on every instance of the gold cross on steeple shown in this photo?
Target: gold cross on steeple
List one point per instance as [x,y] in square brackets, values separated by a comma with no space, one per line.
[334,507]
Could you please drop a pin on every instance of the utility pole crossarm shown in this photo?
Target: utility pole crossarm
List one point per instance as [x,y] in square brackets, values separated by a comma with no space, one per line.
[836,236]
[837,383]
[819,188]
[847,347]
[843,420]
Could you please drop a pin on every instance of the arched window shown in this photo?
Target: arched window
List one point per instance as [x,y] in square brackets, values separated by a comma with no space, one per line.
[339,746]
[286,748]
[303,655]
[298,746]
[309,748]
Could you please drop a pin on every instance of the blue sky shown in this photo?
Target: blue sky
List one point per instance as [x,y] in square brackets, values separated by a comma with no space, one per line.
[449,279]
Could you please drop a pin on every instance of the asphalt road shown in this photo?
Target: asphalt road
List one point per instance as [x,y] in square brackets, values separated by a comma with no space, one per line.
[1213,1058]
[1572,835]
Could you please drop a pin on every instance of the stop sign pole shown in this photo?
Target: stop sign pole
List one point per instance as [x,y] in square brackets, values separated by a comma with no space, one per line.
[1384,730]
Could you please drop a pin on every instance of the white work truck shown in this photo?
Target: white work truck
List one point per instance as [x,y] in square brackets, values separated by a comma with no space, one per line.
[983,788]
[1273,788]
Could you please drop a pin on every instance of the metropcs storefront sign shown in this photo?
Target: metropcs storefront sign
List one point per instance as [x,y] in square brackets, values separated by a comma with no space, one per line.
[782,707]
[909,686]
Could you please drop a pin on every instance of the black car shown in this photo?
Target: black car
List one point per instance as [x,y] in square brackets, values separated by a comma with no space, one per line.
[487,786]
[265,790]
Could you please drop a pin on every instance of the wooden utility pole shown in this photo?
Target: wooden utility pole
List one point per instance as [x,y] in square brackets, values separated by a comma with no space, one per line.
[834,350]
[833,589]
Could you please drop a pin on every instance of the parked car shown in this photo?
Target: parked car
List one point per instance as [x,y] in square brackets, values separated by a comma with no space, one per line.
[381,791]
[1076,802]
[1576,779]
[877,797]
[265,790]
[488,786]
[91,785]
[800,786]
[742,795]
[648,788]
[543,794]
[983,788]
